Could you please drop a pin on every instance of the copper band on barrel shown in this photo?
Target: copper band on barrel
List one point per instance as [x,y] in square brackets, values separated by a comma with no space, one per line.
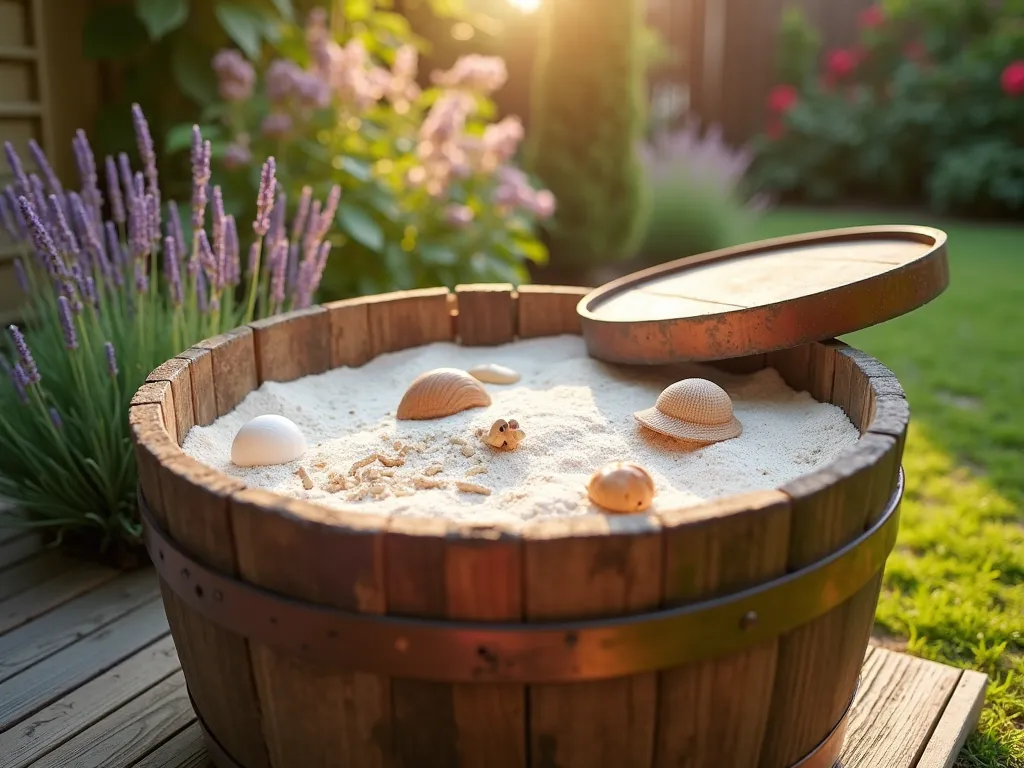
[550,652]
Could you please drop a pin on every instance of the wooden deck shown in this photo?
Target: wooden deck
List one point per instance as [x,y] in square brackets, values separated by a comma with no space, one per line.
[89,678]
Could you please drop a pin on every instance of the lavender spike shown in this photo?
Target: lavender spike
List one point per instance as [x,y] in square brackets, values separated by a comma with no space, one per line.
[117,257]
[329,212]
[174,228]
[42,241]
[209,261]
[16,168]
[67,323]
[293,268]
[66,241]
[254,255]
[138,228]
[299,224]
[218,224]
[55,418]
[231,251]
[111,359]
[114,192]
[201,299]
[25,359]
[141,279]
[124,167]
[265,197]
[277,219]
[44,165]
[200,177]
[87,170]
[279,265]
[39,198]
[172,270]
[21,383]
[15,209]
[145,142]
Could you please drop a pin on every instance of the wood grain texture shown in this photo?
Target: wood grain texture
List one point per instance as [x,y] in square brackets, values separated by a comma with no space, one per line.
[65,670]
[349,332]
[715,712]
[44,597]
[204,400]
[159,393]
[580,568]
[487,314]
[51,726]
[233,360]
[292,345]
[545,310]
[186,749]
[958,721]
[216,662]
[17,550]
[912,694]
[407,319]
[31,572]
[314,716]
[124,736]
[176,372]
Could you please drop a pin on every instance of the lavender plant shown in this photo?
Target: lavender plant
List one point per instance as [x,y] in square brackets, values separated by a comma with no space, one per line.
[112,288]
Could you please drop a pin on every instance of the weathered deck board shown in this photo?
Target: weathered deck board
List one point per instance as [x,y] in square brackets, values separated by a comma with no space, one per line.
[51,726]
[71,622]
[19,547]
[98,685]
[53,592]
[28,573]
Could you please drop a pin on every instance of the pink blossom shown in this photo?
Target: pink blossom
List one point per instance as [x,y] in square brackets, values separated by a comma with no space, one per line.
[841,63]
[236,155]
[544,204]
[458,216]
[235,76]
[783,98]
[1012,79]
[474,72]
[276,125]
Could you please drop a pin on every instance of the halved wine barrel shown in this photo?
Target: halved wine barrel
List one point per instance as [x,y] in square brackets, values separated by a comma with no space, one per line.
[730,634]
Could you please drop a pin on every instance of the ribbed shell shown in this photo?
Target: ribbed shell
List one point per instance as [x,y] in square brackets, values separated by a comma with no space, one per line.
[442,392]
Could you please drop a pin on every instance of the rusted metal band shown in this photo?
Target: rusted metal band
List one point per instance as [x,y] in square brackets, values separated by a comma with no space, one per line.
[824,755]
[459,651]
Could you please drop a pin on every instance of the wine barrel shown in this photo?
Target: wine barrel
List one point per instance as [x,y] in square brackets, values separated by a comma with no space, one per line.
[730,634]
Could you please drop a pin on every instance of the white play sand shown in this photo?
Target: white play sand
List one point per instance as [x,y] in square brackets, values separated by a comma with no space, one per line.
[577,414]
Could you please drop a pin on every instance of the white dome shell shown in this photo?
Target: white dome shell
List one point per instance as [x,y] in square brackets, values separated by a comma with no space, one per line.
[267,440]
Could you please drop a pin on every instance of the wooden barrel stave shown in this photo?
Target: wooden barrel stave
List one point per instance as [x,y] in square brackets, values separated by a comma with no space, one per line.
[730,710]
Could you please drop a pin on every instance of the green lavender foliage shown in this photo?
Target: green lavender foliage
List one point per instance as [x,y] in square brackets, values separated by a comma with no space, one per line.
[96,326]
[588,120]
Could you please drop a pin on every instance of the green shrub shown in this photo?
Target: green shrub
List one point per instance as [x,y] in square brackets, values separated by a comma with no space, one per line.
[587,120]
[928,105]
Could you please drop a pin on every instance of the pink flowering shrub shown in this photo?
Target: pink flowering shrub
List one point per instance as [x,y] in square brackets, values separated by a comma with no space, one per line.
[927,105]
[431,193]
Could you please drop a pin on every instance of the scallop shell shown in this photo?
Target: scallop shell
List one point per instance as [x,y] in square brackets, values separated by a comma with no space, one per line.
[267,440]
[492,373]
[621,487]
[442,392]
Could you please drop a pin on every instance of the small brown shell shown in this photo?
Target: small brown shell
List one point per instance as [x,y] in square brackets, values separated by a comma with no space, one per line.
[505,434]
[621,487]
[442,392]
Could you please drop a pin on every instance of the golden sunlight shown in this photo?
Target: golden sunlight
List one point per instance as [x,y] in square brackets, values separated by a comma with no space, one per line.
[526,6]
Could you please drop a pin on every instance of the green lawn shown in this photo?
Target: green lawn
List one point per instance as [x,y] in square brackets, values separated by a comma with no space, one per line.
[954,586]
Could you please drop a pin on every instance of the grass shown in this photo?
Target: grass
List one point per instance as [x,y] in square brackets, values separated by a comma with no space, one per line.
[954,586]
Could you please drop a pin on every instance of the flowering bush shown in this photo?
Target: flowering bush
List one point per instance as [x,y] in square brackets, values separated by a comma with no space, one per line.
[431,192]
[112,289]
[928,104]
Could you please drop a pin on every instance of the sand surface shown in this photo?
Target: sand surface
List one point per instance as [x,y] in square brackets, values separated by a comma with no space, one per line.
[577,414]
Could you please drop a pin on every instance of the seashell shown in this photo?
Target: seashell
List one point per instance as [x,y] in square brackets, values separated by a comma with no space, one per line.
[621,487]
[695,410]
[504,434]
[267,440]
[442,392]
[492,373]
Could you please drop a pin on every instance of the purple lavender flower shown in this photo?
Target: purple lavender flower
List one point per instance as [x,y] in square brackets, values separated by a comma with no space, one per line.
[86,162]
[265,197]
[22,277]
[39,197]
[153,217]
[42,241]
[174,228]
[218,224]
[317,272]
[309,239]
[44,165]
[21,383]
[141,278]
[279,265]
[117,253]
[114,192]
[86,229]
[277,219]
[138,228]
[330,211]
[10,225]
[15,209]
[90,295]
[254,256]
[200,177]
[16,168]
[111,359]
[67,323]
[172,270]
[299,224]
[235,76]
[25,359]
[293,267]
[145,142]
[66,241]
[124,167]
[55,418]
[231,250]
[202,303]
[209,262]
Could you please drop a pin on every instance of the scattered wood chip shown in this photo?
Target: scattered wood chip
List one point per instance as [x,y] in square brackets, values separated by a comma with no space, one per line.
[479,469]
[387,473]
[397,445]
[357,495]
[378,489]
[465,487]
[363,462]
[456,441]
[388,461]
[433,469]
[403,491]
[468,450]
[307,481]
[426,482]
[320,464]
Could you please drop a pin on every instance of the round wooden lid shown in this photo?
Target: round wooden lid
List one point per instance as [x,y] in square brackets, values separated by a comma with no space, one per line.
[765,296]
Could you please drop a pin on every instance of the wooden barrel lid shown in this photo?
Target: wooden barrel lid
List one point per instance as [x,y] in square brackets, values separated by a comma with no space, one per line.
[765,296]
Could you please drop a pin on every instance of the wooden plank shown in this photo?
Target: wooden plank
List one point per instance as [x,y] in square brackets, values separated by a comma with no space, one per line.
[408,319]
[548,310]
[716,712]
[159,393]
[350,332]
[292,345]
[51,726]
[234,367]
[578,568]
[487,314]
[312,716]
[42,684]
[32,643]
[9,522]
[20,548]
[53,593]
[906,694]
[124,736]
[35,570]
[175,372]
[186,749]
[200,369]
[958,721]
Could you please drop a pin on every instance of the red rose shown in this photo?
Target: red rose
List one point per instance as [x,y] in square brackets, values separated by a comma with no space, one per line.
[841,63]
[1013,78]
[775,128]
[915,51]
[782,98]
[872,17]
